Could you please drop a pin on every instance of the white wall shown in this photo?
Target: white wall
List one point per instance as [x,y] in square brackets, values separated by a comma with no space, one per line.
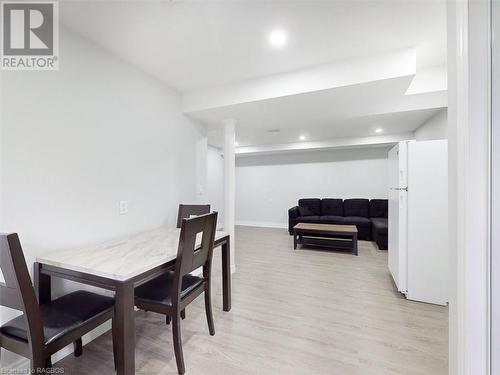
[267,186]
[77,141]
[434,128]
[215,182]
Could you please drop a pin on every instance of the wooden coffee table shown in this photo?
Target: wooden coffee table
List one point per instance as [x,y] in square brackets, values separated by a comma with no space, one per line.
[326,235]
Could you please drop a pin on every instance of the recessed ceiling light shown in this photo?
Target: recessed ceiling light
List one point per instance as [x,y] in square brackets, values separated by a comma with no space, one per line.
[302,137]
[236,144]
[379,130]
[278,38]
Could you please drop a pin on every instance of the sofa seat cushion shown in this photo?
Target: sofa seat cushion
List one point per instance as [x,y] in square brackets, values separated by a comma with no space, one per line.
[312,204]
[358,221]
[332,207]
[379,223]
[159,290]
[357,207]
[331,219]
[63,315]
[308,219]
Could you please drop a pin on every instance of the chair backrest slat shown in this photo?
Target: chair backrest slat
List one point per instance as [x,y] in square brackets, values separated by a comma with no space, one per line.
[6,264]
[9,297]
[192,255]
[17,292]
[186,210]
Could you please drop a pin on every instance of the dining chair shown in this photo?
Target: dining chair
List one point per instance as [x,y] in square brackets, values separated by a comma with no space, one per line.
[187,210]
[44,329]
[171,292]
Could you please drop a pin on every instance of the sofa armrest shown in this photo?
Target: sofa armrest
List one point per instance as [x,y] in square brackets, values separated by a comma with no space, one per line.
[293,214]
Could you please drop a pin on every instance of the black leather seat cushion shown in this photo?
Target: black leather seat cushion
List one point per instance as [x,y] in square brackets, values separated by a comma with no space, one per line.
[159,289]
[332,207]
[312,204]
[356,207]
[308,219]
[63,315]
[379,223]
[358,221]
[332,219]
[379,208]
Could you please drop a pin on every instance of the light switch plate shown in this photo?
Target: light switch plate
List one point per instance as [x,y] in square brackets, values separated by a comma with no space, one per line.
[123,207]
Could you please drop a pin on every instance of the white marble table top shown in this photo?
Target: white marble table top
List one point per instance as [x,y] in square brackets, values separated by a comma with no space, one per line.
[123,258]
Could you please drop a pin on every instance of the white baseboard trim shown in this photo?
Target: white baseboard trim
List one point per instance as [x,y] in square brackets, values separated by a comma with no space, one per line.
[24,363]
[264,224]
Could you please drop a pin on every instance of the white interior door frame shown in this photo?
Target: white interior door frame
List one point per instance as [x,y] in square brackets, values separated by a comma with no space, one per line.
[495,189]
[469,155]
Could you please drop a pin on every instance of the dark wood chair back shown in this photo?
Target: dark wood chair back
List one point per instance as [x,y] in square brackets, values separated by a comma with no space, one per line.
[17,292]
[186,210]
[190,255]
[173,298]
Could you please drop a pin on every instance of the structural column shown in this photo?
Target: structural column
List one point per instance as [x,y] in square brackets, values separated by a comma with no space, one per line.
[229,183]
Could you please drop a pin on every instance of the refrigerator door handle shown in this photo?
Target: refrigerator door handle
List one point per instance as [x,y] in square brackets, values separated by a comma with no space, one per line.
[405,189]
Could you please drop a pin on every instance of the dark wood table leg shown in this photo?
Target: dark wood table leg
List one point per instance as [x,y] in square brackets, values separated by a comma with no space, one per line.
[125,328]
[43,285]
[355,244]
[294,239]
[226,276]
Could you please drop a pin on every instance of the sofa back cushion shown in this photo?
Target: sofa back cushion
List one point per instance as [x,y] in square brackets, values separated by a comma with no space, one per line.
[312,205]
[357,207]
[332,207]
[378,208]
[304,211]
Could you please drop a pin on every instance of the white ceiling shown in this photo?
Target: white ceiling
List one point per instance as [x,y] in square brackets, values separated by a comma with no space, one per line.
[391,123]
[195,44]
[349,111]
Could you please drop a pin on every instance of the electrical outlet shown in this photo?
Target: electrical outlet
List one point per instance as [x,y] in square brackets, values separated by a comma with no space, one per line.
[123,207]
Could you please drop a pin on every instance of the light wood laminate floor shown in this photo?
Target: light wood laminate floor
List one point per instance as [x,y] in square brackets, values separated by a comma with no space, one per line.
[294,312]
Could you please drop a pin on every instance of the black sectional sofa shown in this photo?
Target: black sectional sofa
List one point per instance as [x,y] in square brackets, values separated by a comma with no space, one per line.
[369,216]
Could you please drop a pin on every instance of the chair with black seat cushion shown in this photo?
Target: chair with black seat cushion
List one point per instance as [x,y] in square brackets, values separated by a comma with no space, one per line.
[187,210]
[171,292]
[44,329]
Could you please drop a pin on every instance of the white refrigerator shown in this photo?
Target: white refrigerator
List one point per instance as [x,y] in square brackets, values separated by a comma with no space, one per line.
[418,220]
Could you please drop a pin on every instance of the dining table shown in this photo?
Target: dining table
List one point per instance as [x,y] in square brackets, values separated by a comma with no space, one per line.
[120,266]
